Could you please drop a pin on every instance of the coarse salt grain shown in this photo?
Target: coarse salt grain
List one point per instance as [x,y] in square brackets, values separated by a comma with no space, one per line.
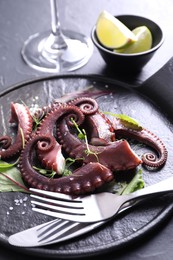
[16,201]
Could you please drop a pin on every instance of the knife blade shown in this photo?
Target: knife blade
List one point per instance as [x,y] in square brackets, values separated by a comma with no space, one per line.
[56,231]
[51,232]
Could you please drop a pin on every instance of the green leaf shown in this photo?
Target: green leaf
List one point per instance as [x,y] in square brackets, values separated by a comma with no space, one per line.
[135,184]
[11,180]
[126,120]
[69,162]
[67,172]
[45,172]
[5,165]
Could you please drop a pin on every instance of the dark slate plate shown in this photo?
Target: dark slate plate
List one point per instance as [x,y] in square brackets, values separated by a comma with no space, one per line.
[16,214]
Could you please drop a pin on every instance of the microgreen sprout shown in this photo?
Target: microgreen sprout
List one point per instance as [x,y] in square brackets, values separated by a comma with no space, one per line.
[47,173]
[83,136]
[69,162]
[37,121]
[23,138]
[88,151]
[81,133]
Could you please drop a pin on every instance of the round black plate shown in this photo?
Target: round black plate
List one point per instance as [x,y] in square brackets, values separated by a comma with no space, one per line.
[16,214]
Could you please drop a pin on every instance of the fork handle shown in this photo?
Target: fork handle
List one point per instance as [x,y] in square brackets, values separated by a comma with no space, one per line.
[158,188]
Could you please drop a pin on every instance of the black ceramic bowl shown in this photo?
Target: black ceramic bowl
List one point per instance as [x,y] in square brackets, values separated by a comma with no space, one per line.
[135,61]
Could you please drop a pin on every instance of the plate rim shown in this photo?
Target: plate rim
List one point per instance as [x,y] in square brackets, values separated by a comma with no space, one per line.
[67,76]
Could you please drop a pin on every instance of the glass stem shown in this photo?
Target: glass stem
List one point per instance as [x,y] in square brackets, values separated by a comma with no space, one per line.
[56,39]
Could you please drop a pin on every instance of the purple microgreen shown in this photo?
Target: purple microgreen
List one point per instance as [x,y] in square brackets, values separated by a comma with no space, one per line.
[11,180]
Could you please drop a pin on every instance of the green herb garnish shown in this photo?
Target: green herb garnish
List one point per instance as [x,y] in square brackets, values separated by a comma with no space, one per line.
[126,120]
[83,136]
[135,184]
[5,165]
[10,178]
[45,172]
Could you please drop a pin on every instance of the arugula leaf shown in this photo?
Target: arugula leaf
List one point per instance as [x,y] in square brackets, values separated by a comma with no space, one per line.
[135,184]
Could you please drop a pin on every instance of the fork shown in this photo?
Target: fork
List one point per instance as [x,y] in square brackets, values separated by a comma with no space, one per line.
[94,207]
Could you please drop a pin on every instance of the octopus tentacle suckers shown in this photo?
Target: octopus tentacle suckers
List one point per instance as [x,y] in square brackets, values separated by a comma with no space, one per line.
[76,131]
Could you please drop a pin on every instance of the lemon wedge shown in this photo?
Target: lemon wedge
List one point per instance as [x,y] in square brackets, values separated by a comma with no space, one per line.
[112,33]
[143,43]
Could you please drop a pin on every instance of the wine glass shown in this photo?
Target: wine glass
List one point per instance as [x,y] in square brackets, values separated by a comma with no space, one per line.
[58,50]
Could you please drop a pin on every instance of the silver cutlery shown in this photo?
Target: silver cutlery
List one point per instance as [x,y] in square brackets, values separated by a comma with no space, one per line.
[92,208]
[50,232]
[55,231]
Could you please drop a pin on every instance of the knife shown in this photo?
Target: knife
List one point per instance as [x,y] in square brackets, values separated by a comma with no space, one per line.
[51,232]
[56,231]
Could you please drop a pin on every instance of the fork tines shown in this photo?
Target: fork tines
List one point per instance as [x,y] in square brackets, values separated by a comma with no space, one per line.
[55,195]
[56,202]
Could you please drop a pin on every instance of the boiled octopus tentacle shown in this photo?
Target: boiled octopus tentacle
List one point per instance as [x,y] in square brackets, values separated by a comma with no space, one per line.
[66,99]
[83,180]
[99,129]
[98,126]
[51,159]
[55,160]
[43,111]
[20,115]
[88,106]
[116,156]
[146,137]
[5,141]
[50,120]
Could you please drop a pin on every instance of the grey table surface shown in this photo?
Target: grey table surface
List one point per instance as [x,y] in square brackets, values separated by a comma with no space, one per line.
[19,19]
